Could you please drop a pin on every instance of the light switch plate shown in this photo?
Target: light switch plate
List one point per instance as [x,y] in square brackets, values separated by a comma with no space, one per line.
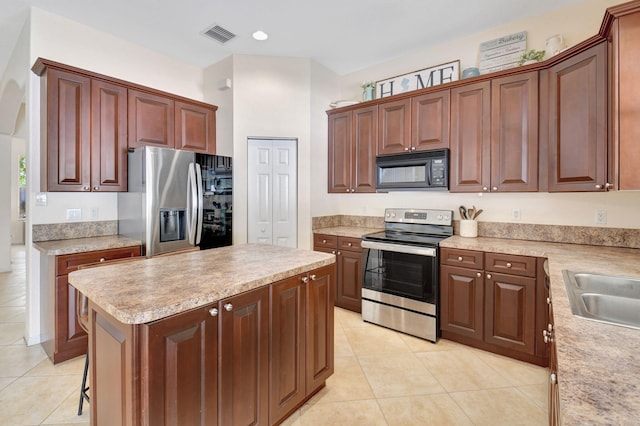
[41,199]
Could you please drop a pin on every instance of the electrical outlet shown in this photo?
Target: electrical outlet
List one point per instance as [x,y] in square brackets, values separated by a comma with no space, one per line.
[601,217]
[515,214]
[74,214]
[93,213]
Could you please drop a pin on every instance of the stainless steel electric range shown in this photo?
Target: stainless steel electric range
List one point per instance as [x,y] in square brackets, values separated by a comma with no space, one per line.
[400,271]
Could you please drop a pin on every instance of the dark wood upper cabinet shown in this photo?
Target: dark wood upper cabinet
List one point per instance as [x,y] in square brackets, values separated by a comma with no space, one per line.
[352,150]
[151,120]
[108,137]
[340,152]
[430,121]
[195,127]
[514,133]
[394,127]
[577,108]
[623,34]
[470,138]
[67,129]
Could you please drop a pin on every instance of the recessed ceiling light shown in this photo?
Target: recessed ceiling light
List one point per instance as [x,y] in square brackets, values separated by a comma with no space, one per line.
[260,35]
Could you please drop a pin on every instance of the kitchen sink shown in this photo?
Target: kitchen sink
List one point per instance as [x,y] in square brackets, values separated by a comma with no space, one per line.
[604,298]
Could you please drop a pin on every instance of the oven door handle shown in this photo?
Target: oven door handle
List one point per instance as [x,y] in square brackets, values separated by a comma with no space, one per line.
[400,248]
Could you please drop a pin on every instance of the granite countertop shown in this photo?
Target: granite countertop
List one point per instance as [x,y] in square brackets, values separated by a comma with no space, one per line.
[347,231]
[598,364]
[145,290]
[82,245]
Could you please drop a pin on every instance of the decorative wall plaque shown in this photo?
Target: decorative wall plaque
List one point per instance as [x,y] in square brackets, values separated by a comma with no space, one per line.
[416,80]
[502,53]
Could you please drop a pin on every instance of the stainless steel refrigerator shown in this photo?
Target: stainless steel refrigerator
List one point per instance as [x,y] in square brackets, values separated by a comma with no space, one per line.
[176,200]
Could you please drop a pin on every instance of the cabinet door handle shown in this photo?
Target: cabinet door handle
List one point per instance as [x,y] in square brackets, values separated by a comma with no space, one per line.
[488,276]
[85,188]
[228,307]
[406,149]
[478,274]
[313,277]
[95,188]
[348,190]
[339,253]
[495,188]
[548,300]
[213,312]
[333,252]
[553,378]
[353,190]
[304,280]
[598,186]
[485,189]
[413,148]
[508,264]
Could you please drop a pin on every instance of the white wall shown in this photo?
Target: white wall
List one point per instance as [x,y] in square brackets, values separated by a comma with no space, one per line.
[223,98]
[271,98]
[577,23]
[18,149]
[5,201]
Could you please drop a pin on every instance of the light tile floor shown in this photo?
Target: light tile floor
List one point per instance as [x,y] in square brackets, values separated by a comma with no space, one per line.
[381,378]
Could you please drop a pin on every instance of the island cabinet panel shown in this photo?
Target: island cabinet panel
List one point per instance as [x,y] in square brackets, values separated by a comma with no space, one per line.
[514,133]
[108,137]
[470,138]
[181,378]
[320,342]
[288,350]
[394,127]
[195,127]
[492,301]
[244,359]
[430,121]
[151,120]
[67,128]
[63,337]
[577,108]
[114,376]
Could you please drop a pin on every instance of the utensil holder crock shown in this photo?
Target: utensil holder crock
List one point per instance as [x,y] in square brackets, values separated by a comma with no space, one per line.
[468,228]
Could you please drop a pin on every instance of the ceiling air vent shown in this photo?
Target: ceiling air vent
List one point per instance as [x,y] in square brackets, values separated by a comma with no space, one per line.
[219,34]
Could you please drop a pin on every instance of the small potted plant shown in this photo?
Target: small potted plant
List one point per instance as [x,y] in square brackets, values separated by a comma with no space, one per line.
[367,90]
[531,56]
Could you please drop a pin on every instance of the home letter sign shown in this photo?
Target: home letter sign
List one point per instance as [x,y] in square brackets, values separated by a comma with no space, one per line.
[416,80]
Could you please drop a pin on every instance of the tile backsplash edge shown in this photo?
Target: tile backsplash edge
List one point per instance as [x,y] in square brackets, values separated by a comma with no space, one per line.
[67,231]
[595,236]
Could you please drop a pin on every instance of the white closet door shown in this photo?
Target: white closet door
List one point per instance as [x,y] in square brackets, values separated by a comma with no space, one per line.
[272,191]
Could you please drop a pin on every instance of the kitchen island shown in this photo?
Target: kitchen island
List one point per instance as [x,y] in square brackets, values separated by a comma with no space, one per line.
[235,335]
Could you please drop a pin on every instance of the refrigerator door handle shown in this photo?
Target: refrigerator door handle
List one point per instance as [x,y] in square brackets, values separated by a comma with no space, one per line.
[192,203]
[200,203]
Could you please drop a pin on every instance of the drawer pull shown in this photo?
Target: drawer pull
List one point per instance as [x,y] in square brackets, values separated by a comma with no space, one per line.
[508,264]
[102,259]
[349,244]
[324,241]
[459,258]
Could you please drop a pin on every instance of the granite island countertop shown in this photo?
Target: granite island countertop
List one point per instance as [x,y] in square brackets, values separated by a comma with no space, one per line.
[146,290]
[83,245]
[598,364]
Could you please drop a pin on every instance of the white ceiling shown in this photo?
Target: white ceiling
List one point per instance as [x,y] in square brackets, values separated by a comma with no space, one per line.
[343,35]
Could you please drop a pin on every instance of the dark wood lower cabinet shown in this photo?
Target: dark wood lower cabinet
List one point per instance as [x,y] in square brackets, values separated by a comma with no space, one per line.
[244,359]
[63,338]
[251,359]
[494,311]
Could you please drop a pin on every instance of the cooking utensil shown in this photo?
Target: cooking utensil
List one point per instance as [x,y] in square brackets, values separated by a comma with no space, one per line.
[470,213]
[477,214]
[463,213]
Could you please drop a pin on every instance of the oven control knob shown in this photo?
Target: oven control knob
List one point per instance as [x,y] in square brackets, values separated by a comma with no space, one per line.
[393,215]
[439,217]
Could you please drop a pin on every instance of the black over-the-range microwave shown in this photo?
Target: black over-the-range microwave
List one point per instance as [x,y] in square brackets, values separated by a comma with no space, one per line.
[415,171]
